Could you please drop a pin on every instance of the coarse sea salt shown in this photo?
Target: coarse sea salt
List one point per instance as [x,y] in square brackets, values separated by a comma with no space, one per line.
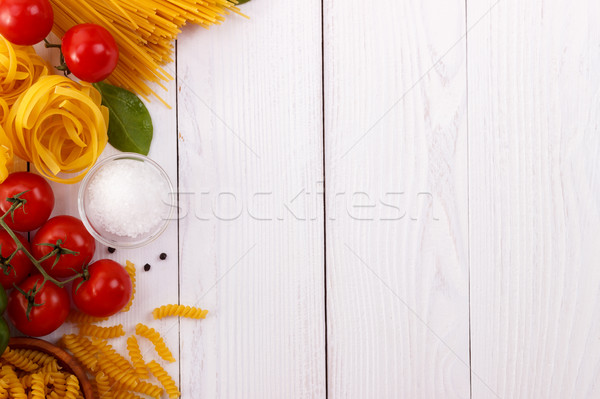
[126,198]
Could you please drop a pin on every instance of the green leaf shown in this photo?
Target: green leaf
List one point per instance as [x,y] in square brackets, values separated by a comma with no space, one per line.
[129,124]
[242,2]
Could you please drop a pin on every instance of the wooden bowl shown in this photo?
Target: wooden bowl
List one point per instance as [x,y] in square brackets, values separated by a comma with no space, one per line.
[66,361]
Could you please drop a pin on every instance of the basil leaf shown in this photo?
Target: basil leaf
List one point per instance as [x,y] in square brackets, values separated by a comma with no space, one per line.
[129,123]
[241,2]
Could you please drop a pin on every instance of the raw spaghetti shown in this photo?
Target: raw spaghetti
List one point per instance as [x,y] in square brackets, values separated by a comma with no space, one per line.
[144,31]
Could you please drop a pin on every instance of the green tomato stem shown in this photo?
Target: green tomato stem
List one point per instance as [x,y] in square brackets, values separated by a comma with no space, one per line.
[37,263]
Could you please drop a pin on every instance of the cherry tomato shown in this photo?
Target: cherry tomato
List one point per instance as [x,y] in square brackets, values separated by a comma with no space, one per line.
[25,22]
[68,232]
[39,197]
[104,291]
[50,310]
[90,52]
[15,270]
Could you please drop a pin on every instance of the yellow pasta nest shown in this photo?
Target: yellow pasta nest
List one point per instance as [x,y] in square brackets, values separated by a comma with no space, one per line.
[60,126]
[20,68]
[136,357]
[130,269]
[153,336]
[179,310]
[165,379]
[6,155]
[102,332]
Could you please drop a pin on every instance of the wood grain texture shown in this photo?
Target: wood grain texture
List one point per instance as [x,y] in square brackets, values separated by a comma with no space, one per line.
[396,173]
[534,141]
[251,227]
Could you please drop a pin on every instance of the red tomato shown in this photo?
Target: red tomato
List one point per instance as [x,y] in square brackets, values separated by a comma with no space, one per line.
[39,197]
[19,266]
[90,52]
[105,291]
[72,235]
[25,22]
[51,313]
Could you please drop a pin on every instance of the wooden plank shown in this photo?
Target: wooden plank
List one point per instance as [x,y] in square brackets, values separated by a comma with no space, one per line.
[534,198]
[250,141]
[396,172]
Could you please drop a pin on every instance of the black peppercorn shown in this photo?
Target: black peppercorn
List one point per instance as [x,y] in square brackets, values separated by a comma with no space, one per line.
[111,250]
[146,267]
[163,256]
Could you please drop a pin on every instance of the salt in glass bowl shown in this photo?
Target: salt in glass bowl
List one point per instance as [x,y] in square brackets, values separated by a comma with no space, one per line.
[98,230]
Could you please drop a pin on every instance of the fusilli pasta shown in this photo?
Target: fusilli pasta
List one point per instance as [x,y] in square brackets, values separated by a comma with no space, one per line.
[130,269]
[77,317]
[102,332]
[103,386]
[179,310]
[73,390]
[136,357]
[18,360]
[154,337]
[38,386]
[165,379]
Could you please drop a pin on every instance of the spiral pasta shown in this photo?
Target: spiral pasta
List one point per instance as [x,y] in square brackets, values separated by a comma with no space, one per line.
[149,389]
[38,386]
[102,332]
[118,394]
[3,389]
[15,388]
[103,386]
[78,317]
[165,379]
[18,360]
[179,310]
[153,336]
[83,351]
[39,358]
[124,377]
[73,390]
[108,352]
[60,126]
[136,357]
[130,269]
[20,68]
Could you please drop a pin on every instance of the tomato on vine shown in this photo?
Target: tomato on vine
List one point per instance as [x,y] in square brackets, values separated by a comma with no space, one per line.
[104,289]
[37,197]
[68,238]
[90,52]
[14,268]
[36,308]
[25,22]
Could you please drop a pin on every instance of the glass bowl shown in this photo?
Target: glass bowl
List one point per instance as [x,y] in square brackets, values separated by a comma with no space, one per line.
[95,222]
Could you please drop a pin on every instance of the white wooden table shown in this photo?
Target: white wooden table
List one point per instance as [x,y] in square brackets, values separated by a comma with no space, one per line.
[456,250]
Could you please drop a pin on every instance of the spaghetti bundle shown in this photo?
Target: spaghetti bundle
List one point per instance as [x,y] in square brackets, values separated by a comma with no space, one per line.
[144,31]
